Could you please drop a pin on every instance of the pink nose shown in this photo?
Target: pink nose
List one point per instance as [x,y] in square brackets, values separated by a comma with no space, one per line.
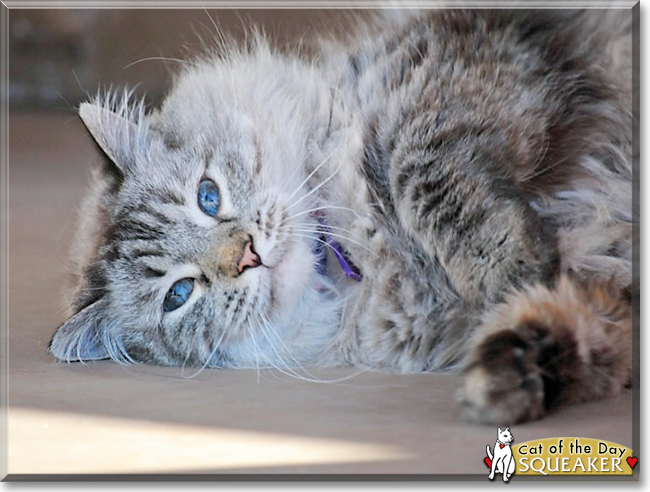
[249,258]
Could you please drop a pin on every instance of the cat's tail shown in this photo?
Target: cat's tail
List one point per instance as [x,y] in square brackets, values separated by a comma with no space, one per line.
[489,452]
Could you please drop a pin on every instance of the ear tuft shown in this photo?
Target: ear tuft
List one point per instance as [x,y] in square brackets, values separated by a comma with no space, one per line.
[119,126]
[81,338]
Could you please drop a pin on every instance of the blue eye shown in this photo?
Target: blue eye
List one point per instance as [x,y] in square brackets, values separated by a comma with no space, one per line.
[178,294]
[208,197]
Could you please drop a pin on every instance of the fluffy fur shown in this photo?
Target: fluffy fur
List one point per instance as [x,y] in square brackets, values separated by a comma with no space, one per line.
[475,165]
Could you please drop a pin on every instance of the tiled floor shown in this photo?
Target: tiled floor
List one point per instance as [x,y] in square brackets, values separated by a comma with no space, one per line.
[104,418]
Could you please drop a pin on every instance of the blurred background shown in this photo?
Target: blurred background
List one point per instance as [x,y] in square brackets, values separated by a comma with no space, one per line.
[57,56]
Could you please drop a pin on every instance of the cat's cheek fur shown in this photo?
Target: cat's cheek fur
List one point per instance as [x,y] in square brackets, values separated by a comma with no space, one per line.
[291,277]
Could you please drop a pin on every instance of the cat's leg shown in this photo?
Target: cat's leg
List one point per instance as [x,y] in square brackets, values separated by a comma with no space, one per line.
[507,459]
[453,194]
[511,466]
[505,465]
[546,346]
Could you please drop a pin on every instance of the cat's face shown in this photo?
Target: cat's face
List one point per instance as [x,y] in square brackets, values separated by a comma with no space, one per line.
[195,260]
[504,436]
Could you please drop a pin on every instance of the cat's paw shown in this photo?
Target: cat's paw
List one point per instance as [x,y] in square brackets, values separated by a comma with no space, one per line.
[503,382]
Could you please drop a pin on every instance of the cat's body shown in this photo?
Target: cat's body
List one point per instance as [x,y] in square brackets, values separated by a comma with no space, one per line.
[502,460]
[475,166]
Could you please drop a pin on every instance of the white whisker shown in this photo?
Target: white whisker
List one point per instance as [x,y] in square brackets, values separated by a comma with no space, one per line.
[159,58]
[257,350]
[315,379]
[287,350]
[269,360]
[323,207]
[207,360]
[315,189]
[299,229]
[310,175]
[313,238]
[323,229]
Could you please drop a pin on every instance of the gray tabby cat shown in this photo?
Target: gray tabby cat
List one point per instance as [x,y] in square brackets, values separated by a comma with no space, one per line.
[443,190]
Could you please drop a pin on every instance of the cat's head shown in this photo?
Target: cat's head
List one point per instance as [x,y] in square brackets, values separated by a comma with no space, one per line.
[504,436]
[187,256]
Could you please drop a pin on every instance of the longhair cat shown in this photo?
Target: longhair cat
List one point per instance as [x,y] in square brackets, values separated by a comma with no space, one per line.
[440,191]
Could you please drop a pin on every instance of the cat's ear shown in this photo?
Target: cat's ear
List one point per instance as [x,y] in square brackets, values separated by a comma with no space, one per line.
[499,431]
[117,134]
[81,337]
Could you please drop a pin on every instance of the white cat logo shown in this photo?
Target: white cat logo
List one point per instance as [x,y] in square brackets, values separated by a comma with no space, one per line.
[502,461]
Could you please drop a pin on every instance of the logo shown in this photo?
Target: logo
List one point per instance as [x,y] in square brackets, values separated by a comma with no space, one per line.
[502,460]
[558,456]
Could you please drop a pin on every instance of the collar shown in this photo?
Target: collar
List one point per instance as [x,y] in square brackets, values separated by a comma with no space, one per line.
[349,268]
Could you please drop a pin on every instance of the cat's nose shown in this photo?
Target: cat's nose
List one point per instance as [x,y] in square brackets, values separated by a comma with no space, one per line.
[249,258]
[232,256]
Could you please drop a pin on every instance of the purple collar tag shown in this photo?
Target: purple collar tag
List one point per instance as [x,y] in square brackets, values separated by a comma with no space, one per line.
[349,268]
[343,257]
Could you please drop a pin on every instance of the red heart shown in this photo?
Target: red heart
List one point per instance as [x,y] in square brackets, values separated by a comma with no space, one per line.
[502,446]
[488,462]
[632,461]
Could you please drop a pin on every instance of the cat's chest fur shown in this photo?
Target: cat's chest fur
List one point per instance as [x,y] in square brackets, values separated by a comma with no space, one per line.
[388,314]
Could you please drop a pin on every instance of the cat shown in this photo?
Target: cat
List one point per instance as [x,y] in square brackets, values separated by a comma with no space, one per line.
[441,191]
[502,461]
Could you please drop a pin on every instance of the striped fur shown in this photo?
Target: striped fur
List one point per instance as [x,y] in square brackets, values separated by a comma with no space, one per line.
[476,165]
